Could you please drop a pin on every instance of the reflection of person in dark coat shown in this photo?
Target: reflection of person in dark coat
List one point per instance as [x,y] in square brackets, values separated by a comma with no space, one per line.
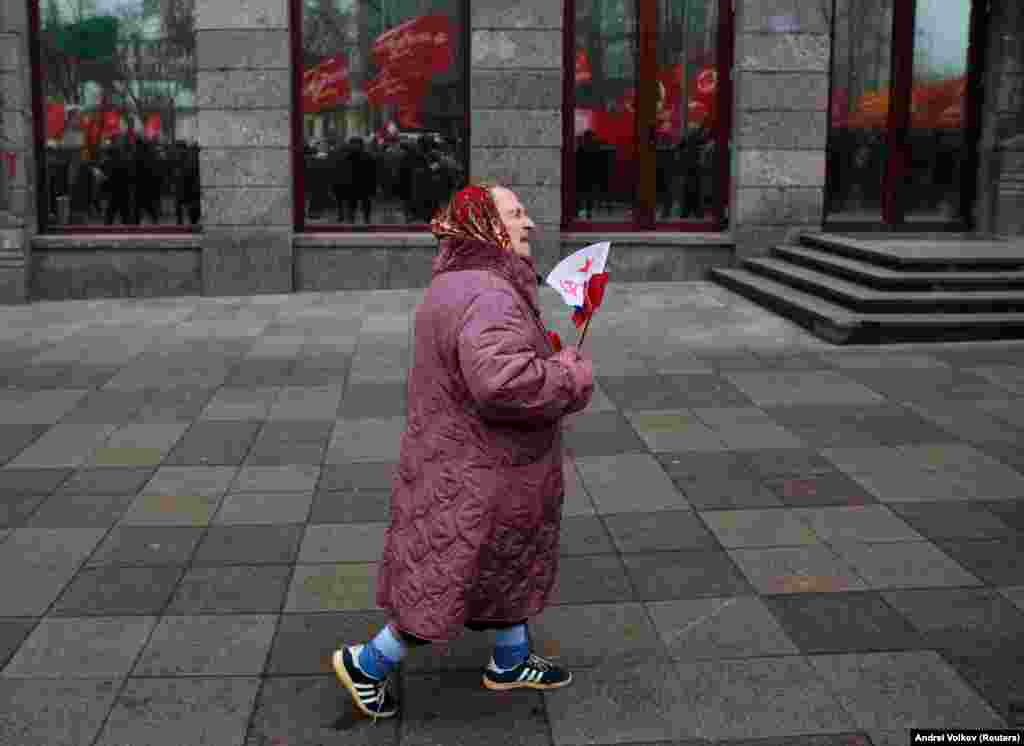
[188,196]
[148,183]
[590,172]
[355,183]
[689,159]
[121,185]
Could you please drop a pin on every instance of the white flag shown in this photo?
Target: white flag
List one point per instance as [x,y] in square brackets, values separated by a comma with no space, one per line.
[572,273]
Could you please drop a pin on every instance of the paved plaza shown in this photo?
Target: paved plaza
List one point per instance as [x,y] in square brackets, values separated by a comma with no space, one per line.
[765,536]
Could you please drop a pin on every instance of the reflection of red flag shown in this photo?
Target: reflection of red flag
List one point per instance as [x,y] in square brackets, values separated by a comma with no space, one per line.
[111,124]
[592,298]
[55,119]
[422,46]
[152,127]
[326,85]
[584,73]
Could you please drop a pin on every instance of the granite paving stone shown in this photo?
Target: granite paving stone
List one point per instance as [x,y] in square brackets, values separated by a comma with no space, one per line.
[999,679]
[238,403]
[696,391]
[351,506]
[577,500]
[747,428]
[713,481]
[927,384]
[850,426]
[226,645]
[366,439]
[161,712]
[584,534]
[805,569]
[865,523]
[171,510]
[266,508]
[820,490]
[306,403]
[441,708]
[17,509]
[106,480]
[347,586]
[717,628]
[280,478]
[46,712]
[668,576]
[674,431]
[781,388]
[81,648]
[304,643]
[633,393]
[249,545]
[1010,512]
[601,434]
[952,520]
[343,542]
[210,481]
[373,400]
[80,511]
[910,564]
[308,711]
[14,481]
[785,696]
[995,561]
[1010,411]
[12,633]
[15,438]
[771,527]
[1006,453]
[661,531]
[622,703]
[357,476]
[146,545]
[628,482]
[904,689]
[106,406]
[856,621]
[63,446]
[290,442]
[601,634]
[976,621]
[20,407]
[964,420]
[174,403]
[591,579]
[112,590]
[238,589]
[214,443]
[260,372]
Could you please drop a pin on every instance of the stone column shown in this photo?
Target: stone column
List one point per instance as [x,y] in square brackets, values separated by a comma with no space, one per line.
[243,98]
[1000,207]
[17,190]
[781,122]
[516,128]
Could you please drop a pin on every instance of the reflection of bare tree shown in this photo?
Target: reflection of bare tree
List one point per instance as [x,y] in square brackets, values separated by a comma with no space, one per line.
[150,66]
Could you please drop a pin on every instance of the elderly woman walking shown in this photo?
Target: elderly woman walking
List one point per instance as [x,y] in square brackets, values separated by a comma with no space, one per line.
[477,498]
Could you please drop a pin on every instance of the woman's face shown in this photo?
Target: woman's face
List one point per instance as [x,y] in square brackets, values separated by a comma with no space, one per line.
[515,219]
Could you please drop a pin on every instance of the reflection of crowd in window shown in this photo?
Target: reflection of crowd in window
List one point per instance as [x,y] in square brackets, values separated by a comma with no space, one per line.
[685,176]
[123,181]
[381,180]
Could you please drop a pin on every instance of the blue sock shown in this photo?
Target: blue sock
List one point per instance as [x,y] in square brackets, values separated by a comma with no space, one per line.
[511,646]
[380,655]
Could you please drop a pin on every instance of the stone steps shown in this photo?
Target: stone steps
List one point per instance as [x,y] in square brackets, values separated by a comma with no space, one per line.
[898,290]
[859,297]
[865,272]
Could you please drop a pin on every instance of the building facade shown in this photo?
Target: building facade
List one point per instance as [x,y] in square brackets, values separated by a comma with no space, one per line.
[178,147]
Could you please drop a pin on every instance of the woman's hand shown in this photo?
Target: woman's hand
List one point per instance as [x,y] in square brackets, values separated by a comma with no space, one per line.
[581,370]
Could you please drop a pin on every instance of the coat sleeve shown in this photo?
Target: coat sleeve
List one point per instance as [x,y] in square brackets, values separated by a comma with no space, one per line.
[508,380]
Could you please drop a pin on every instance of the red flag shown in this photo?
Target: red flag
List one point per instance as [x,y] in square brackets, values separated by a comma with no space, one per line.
[593,297]
[556,341]
[326,85]
[55,119]
[584,73]
[152,127]
[421,46]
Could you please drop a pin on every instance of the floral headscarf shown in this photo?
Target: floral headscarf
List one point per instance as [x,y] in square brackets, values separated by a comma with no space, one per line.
[472,215]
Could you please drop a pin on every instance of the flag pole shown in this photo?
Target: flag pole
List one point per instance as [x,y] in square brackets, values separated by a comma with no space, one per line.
[586,325]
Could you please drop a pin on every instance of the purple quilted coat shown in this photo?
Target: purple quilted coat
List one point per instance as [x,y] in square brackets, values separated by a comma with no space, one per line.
[477,498]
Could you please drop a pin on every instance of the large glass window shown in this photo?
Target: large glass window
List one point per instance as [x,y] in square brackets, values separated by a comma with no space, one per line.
[116,113]
[383,90]
[650,115]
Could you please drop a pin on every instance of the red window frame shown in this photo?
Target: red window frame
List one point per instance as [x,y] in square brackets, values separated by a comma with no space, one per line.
[299,136]
[38,109]
[646,203]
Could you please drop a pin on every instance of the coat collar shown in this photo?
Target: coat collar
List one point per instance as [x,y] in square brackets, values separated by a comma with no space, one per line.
[456,256]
